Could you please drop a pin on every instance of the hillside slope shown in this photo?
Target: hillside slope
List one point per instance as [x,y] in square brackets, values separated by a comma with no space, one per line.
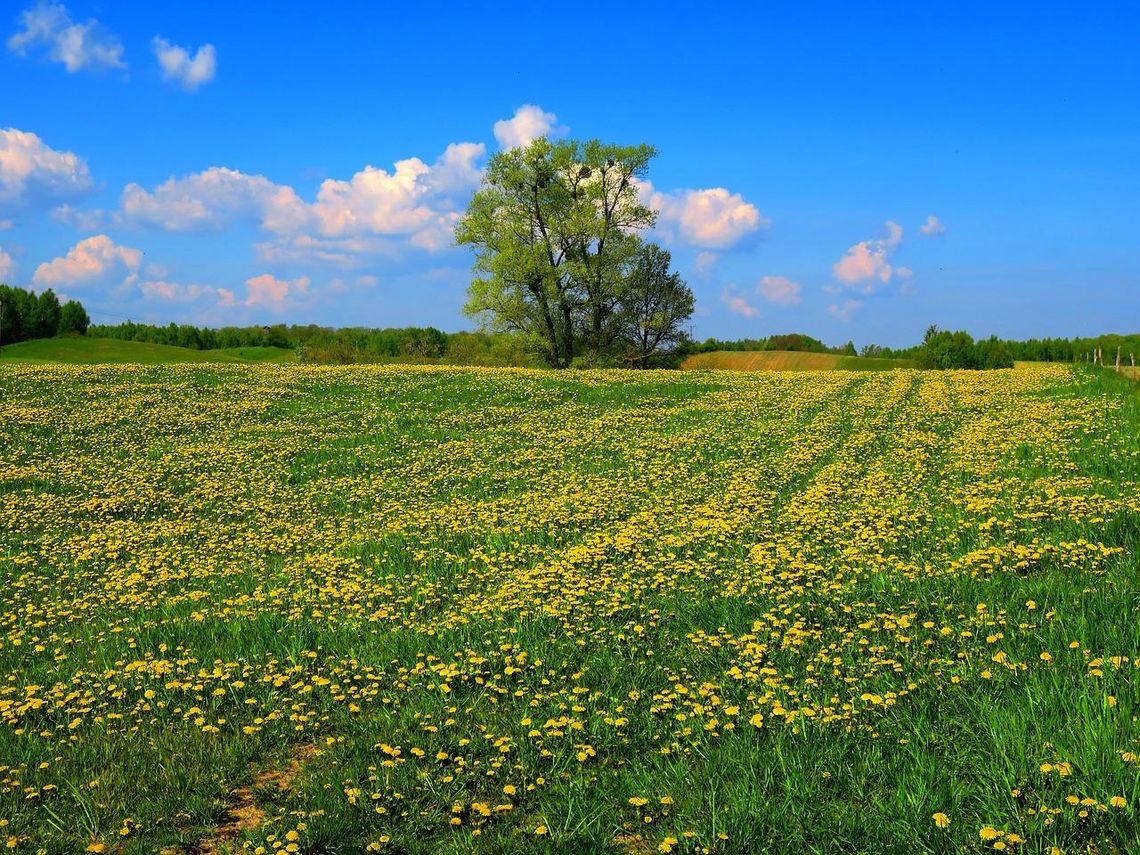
[91,351]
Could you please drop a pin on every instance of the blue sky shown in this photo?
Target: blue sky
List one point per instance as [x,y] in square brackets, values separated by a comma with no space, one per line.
[850,173]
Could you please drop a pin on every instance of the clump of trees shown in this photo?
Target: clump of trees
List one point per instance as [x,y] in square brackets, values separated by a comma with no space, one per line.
[555,229]
[327,346]
[942,349]
[26,315]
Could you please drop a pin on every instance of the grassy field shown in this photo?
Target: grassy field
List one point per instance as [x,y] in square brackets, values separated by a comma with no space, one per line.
[422,609]
[91,351]
[779,360]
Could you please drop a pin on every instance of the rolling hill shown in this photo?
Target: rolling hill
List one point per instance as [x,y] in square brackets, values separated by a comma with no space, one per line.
[92,351]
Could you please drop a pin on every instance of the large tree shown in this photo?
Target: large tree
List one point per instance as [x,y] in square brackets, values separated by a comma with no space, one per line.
[654,304]
[554,227]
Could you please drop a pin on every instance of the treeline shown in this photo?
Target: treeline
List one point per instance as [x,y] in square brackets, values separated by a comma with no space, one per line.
[789,341]
[320,346]
[325,346]
[26,315]
[941,348]
[197,338]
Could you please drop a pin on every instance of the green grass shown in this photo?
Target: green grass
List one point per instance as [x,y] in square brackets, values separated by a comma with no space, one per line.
[762,612]
[93,351]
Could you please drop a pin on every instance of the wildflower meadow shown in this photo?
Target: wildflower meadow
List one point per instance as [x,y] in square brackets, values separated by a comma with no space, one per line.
[422,609]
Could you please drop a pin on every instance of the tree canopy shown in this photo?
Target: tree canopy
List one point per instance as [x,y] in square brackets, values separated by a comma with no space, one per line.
[556,233]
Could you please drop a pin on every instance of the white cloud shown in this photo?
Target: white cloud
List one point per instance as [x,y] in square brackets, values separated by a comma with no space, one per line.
[843,311]
[269,290]
[7,267]
[304,249]
[779,289]
[214,199]
[868,261]
[528,124]
[189,72]
[416,202]
[737,303]
[164,289]
[933,227]
[377,201]
[712,218]
[33,174]
[77,46]
[93,259]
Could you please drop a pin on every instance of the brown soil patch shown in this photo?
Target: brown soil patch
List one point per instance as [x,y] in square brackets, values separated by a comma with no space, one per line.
[244,814]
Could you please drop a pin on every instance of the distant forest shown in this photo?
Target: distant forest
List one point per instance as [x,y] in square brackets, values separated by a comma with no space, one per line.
[322,345]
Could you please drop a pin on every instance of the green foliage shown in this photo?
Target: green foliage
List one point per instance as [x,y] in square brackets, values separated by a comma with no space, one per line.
[652,306]
[558,257]
[73,319]
[25,316]
[790,342]
[942,350]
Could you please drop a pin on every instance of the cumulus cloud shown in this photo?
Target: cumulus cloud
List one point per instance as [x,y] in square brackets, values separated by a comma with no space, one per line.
[7,267]
[737,303]
[867,263]
[779,289]
[212,200]
[528,124]
[33,174]
[93,259]
[416,202]
[189,72]
[76,46]
[269,290]
[845,310]
[414,199]
[712,218]
[933,227]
